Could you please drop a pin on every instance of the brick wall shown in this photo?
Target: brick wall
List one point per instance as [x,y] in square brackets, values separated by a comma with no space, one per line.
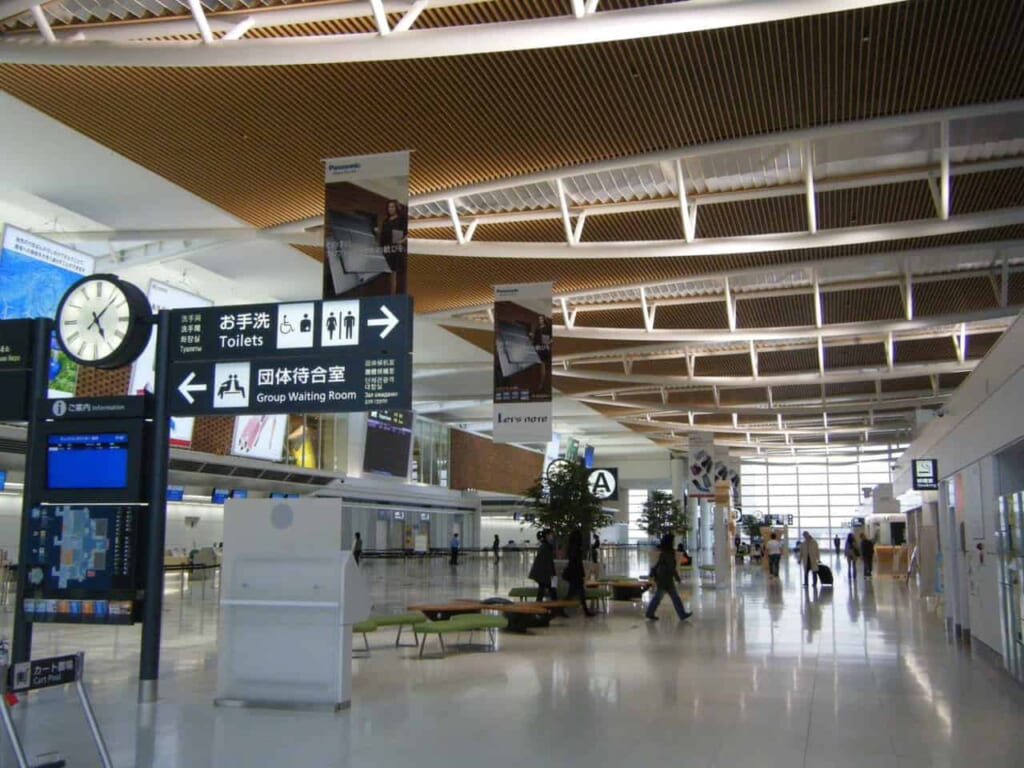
[478,463]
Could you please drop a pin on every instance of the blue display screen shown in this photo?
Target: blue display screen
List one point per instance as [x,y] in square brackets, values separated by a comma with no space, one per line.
[175,492]
[240,493]
[3,478]
[87,460]
[588,457]
[220,495]
[277,495]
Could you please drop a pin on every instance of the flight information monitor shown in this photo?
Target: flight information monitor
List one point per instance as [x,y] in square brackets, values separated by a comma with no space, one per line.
[81,563]
[87,460]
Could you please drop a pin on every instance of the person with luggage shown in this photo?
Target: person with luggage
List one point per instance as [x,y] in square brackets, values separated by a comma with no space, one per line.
[665,575]
[850,551]
[774,549]
[810,557]
[543,569]
[867,551]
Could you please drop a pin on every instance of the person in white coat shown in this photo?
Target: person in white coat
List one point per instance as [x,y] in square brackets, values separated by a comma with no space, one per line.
[810,557]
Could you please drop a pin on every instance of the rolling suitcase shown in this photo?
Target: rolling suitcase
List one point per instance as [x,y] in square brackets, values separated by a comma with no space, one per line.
[825,574]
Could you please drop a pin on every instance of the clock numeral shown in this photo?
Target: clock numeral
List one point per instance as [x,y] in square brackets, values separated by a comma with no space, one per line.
[119,333]
[99,290]
[74,306]
[123,318]
[81,348]
[95,351]
[72,337]
[70,322]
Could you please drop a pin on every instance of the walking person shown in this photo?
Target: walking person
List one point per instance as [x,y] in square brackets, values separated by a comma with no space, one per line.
[453,545]
[835,541]
[867,551]
[666,575]
[357,548]
[543,569]
[774,549]
[595,547]
[495,546]
[810,557]
[573,572]
[850,550]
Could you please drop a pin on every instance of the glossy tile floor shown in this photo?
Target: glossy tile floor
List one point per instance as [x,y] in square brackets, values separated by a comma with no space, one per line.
[762,675]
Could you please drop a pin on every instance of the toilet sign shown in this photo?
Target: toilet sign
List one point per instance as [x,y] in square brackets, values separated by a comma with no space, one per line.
[604,484]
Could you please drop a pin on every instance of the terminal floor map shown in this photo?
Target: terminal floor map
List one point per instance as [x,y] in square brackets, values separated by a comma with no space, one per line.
[80,551]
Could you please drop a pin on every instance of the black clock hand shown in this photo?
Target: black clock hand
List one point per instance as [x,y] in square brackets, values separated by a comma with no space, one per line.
[102,311]
[96,322]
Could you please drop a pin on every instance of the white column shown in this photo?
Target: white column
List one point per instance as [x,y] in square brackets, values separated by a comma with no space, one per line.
[691,525]
[723,548]
[706,511]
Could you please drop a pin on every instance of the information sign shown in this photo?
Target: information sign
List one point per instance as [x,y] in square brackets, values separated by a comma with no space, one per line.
[15,344]
[926,474]
[15,362]
[316,356]
[43,673]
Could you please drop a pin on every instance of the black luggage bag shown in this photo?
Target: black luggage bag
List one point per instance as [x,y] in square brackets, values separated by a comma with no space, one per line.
[825,574]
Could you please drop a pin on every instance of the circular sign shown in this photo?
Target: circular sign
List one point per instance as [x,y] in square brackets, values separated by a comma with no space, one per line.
[603,483]
[60,408]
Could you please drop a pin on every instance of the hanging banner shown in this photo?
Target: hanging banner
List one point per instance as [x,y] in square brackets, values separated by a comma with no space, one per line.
[366,225]
[727,469]
[522,363]
[700,476]
[34,274]
[163,296]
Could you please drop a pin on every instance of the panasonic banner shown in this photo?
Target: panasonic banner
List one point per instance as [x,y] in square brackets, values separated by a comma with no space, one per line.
[366,225]
[700,479]
[522,363]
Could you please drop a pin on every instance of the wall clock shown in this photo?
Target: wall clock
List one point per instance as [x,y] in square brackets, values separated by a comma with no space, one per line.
[103,321]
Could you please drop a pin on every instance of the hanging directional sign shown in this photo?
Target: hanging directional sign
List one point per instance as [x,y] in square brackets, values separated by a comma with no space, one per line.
[311,356]
[15,361]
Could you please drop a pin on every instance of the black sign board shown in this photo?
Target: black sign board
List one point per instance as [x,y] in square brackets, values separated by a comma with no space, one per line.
[317,356]
[43,673]
[604,483]
[14,395]
[926,474]
[131,407]
[364,327]
[15,343]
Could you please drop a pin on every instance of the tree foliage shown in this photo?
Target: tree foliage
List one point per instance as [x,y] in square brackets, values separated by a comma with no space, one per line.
[663,514]
[562,501]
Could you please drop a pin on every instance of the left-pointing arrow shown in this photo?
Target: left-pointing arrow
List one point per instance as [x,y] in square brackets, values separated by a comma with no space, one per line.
[186,388]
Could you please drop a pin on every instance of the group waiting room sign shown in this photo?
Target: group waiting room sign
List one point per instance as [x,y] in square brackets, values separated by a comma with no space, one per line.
[310,356]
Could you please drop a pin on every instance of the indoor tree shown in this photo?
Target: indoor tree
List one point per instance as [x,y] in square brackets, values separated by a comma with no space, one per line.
[562,501]
[663,514]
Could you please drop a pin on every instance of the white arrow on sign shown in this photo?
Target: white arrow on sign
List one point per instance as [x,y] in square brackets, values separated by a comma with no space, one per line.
[389,321]
[186,388]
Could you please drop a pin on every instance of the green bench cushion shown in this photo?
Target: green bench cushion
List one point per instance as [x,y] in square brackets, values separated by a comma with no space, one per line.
[365,627]
[707,568]
[596,593]
[439,627]
[522,592]
[396,619]
[479,621]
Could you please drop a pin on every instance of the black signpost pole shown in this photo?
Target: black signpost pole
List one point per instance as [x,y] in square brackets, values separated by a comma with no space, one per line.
[156,516]
[21,645]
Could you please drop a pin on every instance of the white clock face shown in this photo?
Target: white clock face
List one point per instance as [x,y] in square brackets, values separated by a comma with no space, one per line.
[94,320]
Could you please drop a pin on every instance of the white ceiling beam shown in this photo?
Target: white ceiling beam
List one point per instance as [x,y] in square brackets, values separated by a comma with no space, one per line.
[890,350]
[648,310]
[467,236]
[687,213]
[568,315]
[453,214]
[238,31]
[745,144]
[380,17]
[871,330]
[832,184]
[608,26]
[753,359]
[410,16]
[945,182]
[816,378]
[821,355]
[770,243]
[577,232]
[199,16]
[960,343]
[730,304]
[896,406]
[42,24]
[807,154]
[819,308]
[908,294]
[563,203]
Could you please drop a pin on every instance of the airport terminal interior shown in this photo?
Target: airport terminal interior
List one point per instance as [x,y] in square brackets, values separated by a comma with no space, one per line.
[415,267]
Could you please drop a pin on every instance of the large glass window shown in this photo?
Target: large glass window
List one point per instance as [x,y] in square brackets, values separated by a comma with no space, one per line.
[636,500]
[816,493]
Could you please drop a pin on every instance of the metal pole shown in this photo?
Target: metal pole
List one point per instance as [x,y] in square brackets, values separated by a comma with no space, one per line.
[156,524]
[90,716]
[21,645]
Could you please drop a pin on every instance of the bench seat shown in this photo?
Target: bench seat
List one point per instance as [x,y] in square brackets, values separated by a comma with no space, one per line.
[401,620]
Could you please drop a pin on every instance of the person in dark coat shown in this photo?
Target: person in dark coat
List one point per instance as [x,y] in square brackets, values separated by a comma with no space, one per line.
[543,569]
[573,572]
[867,553]
[495,546]
[665,576]
[595,547]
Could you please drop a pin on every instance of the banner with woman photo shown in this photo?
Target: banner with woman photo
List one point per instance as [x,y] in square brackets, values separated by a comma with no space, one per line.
[366,225]
[522,363]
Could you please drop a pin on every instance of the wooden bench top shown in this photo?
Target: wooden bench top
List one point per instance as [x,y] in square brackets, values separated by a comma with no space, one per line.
[453,607]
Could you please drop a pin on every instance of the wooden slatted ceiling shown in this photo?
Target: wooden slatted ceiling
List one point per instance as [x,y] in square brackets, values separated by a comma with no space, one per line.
[925,350]
[854,356]
[787,361]
[985,191]
[850,388]
[261,131]
[853,306]
[775,311]
[967,295]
